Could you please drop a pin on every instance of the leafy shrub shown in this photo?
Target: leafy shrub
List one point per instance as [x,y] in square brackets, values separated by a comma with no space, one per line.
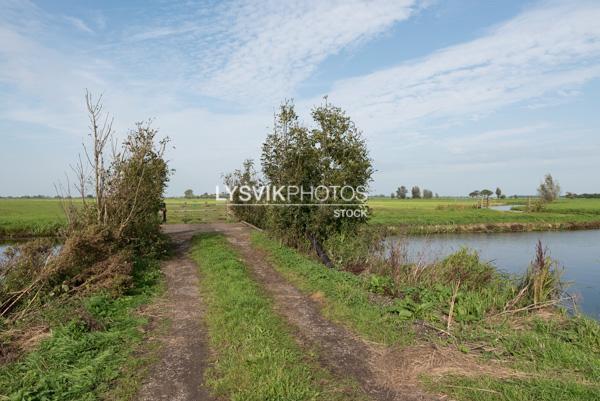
[465,267]
[380,284]
[538,205]
[105,234]
[356,251]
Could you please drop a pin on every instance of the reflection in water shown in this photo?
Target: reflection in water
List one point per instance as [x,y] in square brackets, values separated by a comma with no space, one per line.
[505,208]
[2,249]
[4,246]
[577,251]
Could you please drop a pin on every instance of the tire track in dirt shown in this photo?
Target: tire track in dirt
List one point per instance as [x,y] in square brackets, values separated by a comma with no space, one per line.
[342,352]
[178,374]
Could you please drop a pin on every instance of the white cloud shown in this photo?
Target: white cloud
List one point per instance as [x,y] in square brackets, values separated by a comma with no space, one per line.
[552,48]
[263,50]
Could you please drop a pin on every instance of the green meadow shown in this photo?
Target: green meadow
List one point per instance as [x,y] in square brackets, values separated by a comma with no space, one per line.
[21,218]
[418,214]
[44,217]
[30,217]
[193,211]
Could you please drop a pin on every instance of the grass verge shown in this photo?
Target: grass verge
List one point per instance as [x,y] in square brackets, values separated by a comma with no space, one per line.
[256,358]
[551,357]
[87,359]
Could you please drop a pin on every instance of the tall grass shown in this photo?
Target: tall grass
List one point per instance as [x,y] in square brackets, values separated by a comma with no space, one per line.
[542,281]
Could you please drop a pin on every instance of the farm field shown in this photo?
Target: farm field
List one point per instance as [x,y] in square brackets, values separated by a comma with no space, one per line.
[575,206]
[30,217]
[43,217]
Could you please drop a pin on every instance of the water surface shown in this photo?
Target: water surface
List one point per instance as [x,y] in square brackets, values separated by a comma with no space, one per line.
[3,247]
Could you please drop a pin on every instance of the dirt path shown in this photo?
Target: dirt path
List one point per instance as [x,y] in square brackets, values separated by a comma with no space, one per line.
[340,351]
[177,376]
[179,372]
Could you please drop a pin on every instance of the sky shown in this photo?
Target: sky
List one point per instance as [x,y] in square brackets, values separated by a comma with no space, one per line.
[450,95]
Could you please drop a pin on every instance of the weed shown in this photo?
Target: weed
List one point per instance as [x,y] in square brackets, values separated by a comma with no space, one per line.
[542,282]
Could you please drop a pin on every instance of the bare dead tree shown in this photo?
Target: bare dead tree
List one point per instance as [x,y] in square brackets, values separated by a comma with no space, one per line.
[101,132]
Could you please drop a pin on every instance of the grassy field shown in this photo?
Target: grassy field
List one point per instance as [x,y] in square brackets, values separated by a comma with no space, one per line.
[40,217]
[255,356]
[516,358]
[575,206]
[30,217]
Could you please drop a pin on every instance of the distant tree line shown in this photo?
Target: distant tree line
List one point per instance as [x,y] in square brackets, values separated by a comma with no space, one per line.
[189,194]
[573,195]
[486,193]
[402,193]
[31,197]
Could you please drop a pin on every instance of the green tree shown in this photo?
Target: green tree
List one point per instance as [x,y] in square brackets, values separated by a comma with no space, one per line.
[549,190]
[136,182]
[246,176]
[128,187]
[474,194]
[188,194]
[427,194]
[401,192]
[498,192]
[333,154]
[486,193]
[416,192]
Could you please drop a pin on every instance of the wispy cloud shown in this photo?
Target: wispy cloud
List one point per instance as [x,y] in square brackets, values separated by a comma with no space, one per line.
[542,52]
[79,24]
[261,51]
[274,48]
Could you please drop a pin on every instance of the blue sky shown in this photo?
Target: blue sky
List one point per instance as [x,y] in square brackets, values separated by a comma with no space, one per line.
[451,95]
